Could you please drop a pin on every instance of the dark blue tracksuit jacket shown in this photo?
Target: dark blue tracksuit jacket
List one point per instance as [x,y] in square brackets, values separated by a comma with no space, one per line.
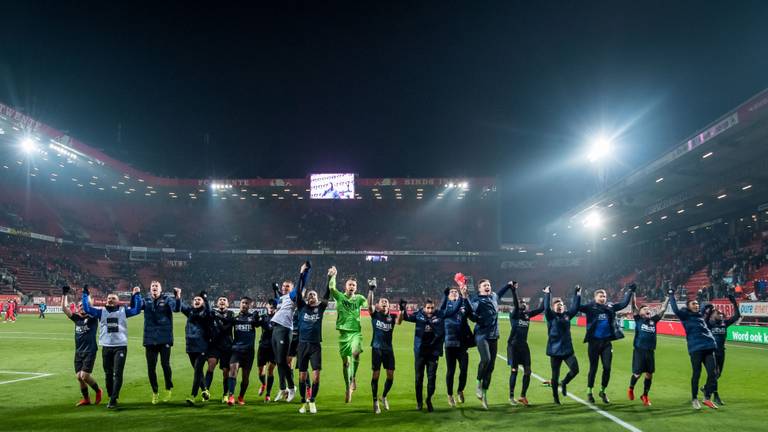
[197,332]
[697,334]
[559,341]
[485,313]
[595,312]
[158,319]
[428,337]
[456,328]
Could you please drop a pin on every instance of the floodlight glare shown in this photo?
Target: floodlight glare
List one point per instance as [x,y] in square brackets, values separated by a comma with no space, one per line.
[600,148]
[28,145]
[593,220]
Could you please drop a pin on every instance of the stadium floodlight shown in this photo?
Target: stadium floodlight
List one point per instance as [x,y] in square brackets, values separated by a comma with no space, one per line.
[593,220]
[28,145]
[600,148]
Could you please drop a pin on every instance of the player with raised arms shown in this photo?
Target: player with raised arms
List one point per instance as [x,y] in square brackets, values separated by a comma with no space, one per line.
[643,355]
[243,350]
[220,345]
[158,310]
[348,306]
[197,333]
[719,328]
[282,331]
[518,352]
[701,349]
[602,329]
[427,349]
[382,353]
[85,348]
[485,312]
[311,310]
[559,342]
[454,311]
[113,337]
[265,357]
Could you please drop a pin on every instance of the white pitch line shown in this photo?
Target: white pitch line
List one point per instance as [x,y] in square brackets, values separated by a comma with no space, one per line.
[607,415]
[37,375]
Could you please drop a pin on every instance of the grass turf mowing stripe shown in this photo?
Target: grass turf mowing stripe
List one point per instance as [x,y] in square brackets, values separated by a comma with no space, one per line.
[607,415]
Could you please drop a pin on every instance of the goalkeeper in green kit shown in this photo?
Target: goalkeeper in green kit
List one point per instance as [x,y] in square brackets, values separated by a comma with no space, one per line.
[348,305]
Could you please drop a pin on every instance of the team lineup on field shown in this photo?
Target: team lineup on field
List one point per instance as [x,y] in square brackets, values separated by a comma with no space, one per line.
[217,339]
[46,346]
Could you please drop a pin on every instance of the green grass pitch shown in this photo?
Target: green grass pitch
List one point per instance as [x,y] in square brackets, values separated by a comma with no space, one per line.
[47,402]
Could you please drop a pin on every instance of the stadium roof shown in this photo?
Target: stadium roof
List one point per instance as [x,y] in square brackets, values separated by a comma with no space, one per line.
[718,170]
[88,167]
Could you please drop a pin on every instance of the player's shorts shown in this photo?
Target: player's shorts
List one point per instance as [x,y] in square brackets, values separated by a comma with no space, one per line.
[383,358]
[519,354]
[223,356]
[244,358]
[293,349]
[265,355]
[643,360]
[309,353]
[84,361]
[350,342]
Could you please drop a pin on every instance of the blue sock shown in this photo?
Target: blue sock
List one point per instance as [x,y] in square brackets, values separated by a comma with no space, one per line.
[231,385]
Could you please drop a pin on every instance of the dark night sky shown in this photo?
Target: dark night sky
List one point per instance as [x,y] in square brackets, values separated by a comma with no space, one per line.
[383,89]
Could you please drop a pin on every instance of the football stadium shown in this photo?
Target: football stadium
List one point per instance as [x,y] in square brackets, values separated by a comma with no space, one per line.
[133,300]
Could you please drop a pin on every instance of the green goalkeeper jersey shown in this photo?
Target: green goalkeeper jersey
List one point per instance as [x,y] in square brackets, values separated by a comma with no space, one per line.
[347,308]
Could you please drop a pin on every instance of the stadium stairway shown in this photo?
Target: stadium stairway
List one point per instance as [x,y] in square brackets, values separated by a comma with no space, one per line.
[29,283]
[697,281]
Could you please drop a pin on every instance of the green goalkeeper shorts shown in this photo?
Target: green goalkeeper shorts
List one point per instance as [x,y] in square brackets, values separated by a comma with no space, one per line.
[350,342]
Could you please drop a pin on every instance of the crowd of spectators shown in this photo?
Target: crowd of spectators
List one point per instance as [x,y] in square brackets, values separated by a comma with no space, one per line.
[728,260]
[212,224]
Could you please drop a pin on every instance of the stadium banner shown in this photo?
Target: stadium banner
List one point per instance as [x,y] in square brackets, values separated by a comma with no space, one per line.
[754,309]
[473,182]
[29,310]
[754,105]
[750,334]
[712,131]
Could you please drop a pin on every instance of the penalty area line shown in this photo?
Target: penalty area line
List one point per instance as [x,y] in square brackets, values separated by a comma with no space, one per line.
[33,375]
[607,415]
